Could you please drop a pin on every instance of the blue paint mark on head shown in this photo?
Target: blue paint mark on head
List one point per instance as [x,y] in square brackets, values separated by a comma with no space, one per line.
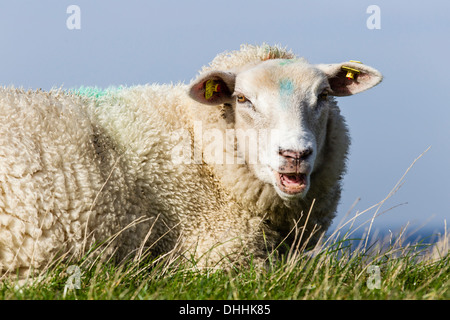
[286,87]
[286,90]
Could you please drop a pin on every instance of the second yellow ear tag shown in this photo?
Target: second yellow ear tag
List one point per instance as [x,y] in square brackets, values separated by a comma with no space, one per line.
[211,87]
[351,71]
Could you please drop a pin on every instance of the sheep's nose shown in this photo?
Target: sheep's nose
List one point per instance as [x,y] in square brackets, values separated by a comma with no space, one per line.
[297,155]
[293,161]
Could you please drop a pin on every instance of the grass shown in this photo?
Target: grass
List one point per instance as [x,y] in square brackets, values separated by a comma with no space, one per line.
[333,270]
[340,266]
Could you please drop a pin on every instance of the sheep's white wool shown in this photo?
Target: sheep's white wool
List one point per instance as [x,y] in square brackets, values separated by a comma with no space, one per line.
[78,169]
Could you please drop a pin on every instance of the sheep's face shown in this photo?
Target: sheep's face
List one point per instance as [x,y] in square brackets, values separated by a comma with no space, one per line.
[286,103]
[281,109]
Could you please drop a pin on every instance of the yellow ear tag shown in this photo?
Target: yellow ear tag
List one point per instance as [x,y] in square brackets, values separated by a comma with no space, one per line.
[210,88]
[350,71]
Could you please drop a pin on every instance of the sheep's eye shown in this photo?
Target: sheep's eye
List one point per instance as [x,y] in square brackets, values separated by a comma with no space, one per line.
[241,98]
[323,96]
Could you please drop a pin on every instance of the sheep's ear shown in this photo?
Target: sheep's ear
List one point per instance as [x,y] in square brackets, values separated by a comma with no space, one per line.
[348,78]
[213,88]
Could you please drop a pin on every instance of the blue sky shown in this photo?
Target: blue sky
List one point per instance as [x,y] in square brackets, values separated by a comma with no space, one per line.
[136,42]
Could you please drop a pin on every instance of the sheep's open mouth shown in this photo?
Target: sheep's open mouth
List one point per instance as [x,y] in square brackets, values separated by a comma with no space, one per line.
[291,183]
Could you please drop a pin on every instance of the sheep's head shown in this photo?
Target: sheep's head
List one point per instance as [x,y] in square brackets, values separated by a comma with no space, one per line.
[288,100]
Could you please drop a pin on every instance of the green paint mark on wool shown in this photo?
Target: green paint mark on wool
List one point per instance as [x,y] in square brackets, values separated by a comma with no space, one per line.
[95,92]
[288,61]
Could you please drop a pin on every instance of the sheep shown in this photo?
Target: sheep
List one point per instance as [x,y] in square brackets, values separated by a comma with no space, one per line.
[138,166]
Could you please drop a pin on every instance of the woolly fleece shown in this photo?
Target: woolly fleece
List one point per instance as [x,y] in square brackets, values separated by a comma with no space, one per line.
[78,168]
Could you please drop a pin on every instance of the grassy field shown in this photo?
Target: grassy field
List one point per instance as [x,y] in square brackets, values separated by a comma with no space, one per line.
[340,268]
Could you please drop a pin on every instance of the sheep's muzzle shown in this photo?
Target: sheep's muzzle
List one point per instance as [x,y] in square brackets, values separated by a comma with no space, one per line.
[291,183]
